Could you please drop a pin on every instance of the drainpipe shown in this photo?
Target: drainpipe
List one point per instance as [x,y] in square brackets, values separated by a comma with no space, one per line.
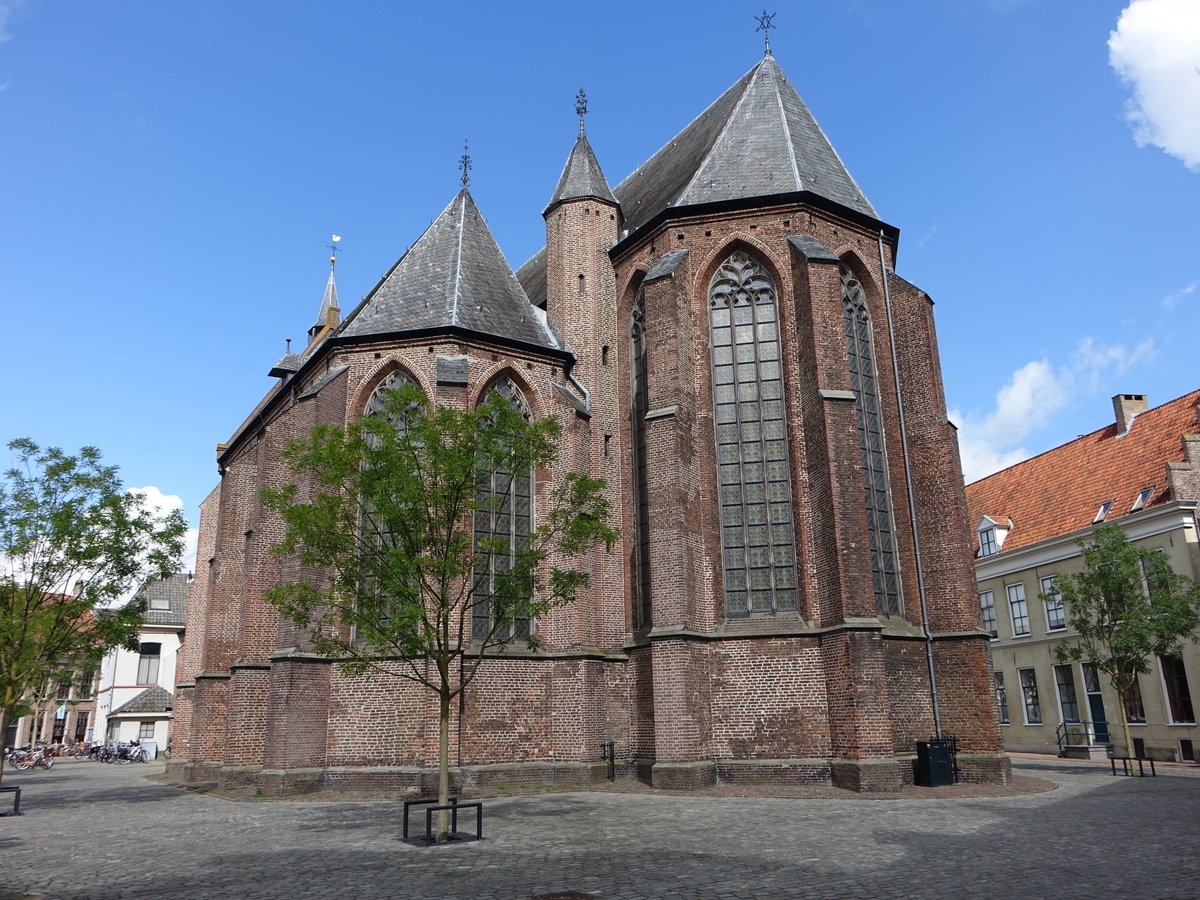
[587,398]
[912,509]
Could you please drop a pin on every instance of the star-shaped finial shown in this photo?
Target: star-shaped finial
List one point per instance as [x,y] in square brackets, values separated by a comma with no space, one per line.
[464,163]
[765,26]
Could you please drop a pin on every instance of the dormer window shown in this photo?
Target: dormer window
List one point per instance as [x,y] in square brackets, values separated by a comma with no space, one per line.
[987,542]
[1142,499]
[992,534]
[1102,512]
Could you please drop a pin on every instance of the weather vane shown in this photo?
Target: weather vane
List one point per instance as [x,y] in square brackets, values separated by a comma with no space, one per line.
[581,108]
[334,248]
[765,26]
[464,163]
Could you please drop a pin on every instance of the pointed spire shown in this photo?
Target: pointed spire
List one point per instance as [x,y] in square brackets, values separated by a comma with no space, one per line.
[330,313]
[756,139]
[581,177]
[454,276]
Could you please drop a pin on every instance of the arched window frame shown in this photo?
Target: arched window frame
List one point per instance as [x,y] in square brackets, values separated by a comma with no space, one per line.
[639,393]
[758,543]
[864,382]
[375,405]
[510,518]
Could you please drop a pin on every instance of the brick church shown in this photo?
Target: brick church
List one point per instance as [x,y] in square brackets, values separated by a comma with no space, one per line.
[725,342]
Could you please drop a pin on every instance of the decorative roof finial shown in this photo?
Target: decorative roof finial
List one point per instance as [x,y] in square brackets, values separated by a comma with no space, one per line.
[765,26]
[581,108]
[464,164]
[334,250]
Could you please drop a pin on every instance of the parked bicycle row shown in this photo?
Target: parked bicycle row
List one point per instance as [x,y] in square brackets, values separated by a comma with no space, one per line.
[43,757]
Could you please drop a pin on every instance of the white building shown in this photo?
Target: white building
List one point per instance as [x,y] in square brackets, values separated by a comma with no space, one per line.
[134,698]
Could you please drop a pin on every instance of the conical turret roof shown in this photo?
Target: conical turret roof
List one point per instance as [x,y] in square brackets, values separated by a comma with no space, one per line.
[454,276]
[756,139]
[581,177]
[330,313]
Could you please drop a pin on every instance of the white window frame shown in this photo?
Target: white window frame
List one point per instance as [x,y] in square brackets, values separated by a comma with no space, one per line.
[1009,590]
[1050,589]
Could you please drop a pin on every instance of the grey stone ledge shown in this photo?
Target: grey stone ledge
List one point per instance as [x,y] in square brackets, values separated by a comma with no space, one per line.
[827,394]
[666,265]
[812,249]
[662,413]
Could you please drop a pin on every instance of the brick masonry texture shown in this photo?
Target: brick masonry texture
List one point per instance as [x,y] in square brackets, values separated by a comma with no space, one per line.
[831,693]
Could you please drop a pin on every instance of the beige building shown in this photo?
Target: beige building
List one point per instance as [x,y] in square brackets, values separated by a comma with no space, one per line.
[1142,472]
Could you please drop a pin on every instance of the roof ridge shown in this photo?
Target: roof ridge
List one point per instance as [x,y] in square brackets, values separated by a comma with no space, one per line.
[787,129]
[462,218]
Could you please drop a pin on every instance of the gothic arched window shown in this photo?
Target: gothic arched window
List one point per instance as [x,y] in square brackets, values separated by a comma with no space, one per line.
[640,394]
[374,522]
[757,534]
[861,352]
[503,524]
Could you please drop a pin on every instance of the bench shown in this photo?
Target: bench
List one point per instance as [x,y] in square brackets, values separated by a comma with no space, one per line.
[15,790]
[1127,765]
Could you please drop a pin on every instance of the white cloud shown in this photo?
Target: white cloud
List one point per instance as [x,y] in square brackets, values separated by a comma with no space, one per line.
[158,502]
[6,8]
[1155,49]
[1031,398]
[1172,299]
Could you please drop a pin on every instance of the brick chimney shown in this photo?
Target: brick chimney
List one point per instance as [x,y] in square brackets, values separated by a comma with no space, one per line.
[1126,406]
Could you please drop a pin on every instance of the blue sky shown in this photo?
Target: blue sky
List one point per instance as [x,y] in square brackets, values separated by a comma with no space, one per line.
[170,174]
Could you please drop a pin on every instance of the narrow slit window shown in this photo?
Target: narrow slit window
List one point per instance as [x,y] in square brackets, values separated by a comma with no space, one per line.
[860,351]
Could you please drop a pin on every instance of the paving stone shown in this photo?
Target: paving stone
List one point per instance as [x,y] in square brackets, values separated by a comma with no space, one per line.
[93,831]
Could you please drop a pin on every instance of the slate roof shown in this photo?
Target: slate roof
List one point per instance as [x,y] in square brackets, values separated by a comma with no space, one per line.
[453,276]
[581,177]
[756,139]
[174,590]
[152,700]
[1061,490]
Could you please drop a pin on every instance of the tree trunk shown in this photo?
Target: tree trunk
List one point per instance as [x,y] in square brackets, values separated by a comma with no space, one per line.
[443,818]
[3,737]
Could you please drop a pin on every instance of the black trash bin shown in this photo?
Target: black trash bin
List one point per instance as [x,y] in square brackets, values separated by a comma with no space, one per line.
[934,768]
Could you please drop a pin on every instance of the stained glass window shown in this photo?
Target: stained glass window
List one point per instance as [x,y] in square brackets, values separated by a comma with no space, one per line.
[755,494]
[639,391]
[504,520]
[861,352]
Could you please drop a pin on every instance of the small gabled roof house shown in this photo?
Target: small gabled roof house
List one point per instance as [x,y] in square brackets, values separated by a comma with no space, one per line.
[1142,472]
[134,700]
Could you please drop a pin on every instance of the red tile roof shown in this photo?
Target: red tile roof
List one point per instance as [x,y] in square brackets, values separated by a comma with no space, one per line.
[1061,490]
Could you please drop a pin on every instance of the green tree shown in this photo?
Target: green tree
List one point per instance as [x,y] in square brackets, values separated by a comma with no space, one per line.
[409,525]
[72,541]
[1128,607]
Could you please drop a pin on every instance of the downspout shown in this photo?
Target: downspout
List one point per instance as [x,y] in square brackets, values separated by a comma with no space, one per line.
[912,509]
[587,398]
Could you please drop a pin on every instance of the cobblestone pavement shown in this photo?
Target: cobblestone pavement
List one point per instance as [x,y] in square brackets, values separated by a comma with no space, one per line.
[93,831]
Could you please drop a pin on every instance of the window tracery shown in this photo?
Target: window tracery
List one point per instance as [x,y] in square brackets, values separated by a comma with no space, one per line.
[757,531]
[504,514]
